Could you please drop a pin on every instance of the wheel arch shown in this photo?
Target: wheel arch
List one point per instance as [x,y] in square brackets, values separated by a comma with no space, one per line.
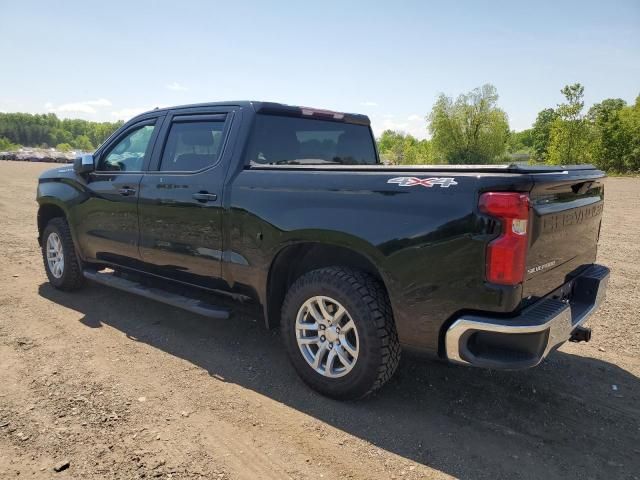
[294,260]
[47,211]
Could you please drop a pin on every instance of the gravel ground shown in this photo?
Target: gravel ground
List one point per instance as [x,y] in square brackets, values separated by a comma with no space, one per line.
[102,384]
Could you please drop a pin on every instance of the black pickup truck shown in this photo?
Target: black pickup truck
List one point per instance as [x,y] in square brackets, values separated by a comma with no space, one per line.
[490,266]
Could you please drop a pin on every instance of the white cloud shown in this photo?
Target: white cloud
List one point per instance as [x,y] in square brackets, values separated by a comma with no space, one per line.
[414,125]
[176,87]
[88,106]
[74,108]
[127,113]
[392,125]
[130,112]
[369,103]
[101,102]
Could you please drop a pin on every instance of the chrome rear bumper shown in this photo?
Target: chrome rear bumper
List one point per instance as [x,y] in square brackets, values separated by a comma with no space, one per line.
[525,340]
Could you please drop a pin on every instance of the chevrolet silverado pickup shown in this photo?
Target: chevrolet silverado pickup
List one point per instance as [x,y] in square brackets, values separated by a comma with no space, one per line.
[488,266]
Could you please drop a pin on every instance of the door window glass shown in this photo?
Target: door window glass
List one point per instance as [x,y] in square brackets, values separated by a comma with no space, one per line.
[128,154]
[192,146]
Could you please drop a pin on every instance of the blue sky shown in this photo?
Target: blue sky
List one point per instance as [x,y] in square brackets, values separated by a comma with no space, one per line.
[389,60]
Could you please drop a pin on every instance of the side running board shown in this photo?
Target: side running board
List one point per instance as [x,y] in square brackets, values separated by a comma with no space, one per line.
[190,304]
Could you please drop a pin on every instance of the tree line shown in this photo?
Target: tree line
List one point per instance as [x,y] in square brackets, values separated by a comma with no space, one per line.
[47,130]
[472,129]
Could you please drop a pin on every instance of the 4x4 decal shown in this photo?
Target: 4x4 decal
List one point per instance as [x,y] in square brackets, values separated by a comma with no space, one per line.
[444,182]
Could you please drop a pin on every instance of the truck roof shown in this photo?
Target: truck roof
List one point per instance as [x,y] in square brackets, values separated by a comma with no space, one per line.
[273,108]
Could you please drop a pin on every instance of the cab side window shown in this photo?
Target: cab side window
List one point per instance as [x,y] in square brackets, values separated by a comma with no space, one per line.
[128,154]
[192,146]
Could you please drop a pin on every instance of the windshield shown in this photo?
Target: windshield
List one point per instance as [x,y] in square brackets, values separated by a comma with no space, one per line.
[305,141]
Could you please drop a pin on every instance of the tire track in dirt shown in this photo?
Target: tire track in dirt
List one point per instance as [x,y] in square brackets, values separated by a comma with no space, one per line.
[219,400]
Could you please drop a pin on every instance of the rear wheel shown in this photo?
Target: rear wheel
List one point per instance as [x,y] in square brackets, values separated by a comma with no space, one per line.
[339,332]
[60,260]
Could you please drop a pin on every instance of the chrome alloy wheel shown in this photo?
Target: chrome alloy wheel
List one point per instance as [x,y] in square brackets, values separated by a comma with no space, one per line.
[55,255]
[327,337]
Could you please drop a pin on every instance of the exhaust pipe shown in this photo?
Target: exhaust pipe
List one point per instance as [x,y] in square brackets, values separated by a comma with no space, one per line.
[580,334]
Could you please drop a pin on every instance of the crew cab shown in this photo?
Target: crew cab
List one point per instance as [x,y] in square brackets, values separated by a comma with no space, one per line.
[489,266]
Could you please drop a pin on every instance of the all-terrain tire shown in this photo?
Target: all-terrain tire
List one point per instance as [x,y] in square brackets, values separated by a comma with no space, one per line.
[71,277]
[368,305]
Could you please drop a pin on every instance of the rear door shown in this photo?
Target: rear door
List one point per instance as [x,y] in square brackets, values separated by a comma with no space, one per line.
[180,205]
[107,223]
[566,218]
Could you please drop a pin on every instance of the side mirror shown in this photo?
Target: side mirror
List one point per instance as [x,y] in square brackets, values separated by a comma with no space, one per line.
[84,164]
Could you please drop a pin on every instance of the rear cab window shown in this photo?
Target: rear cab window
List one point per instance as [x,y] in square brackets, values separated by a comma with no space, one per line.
[282,140]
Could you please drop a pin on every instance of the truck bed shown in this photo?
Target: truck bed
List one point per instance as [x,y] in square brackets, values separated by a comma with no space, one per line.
[504,168]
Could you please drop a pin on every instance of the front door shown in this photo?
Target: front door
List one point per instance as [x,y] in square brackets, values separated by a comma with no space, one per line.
[107,223]
[180,204]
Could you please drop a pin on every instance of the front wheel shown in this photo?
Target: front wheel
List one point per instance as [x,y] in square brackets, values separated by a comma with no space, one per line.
[60,260]
[339,332]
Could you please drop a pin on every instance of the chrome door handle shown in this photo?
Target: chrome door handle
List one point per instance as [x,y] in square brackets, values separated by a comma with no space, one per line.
[126,191]
[205,197]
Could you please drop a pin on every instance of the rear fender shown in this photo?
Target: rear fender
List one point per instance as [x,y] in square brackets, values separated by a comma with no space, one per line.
[304,252]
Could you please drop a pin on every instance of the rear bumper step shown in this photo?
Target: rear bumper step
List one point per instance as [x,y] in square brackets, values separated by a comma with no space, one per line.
[525,340]
[190,304]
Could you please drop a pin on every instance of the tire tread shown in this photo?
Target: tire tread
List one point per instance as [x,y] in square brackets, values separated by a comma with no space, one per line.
[376,301]
[72,279]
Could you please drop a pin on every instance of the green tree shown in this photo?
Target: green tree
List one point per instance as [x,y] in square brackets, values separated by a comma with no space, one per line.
[403,149]
[7,146]
[63,147]
[521,142]
[542,132]
[58,135]
[630,123]
[570,134]
[48,129]
[82,142]
[571,110]
[611,139]
[416,152]
[390,146]
[471,129]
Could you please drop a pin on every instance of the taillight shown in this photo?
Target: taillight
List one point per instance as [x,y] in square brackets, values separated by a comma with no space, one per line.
[506,255]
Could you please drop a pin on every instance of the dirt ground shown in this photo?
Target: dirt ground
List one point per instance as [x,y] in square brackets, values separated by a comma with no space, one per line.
[123,387]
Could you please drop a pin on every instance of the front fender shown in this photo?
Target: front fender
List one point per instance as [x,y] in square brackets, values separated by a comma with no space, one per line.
[63,195]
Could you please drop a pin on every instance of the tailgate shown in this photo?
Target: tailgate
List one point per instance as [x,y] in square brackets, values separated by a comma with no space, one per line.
[565,226]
